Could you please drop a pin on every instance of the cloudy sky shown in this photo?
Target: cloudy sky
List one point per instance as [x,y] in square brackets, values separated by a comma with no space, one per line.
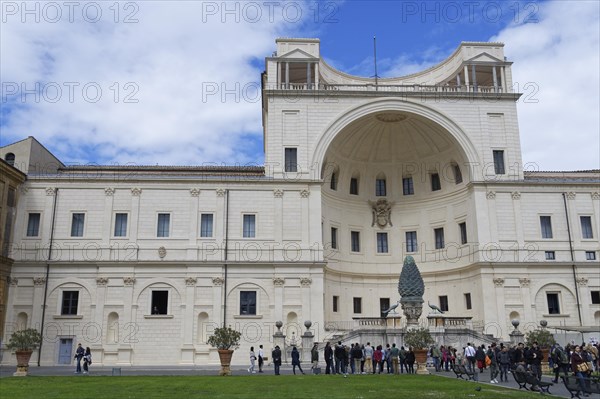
[176,83]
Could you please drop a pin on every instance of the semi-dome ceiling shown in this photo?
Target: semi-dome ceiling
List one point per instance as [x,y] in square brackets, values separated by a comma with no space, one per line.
[387,137]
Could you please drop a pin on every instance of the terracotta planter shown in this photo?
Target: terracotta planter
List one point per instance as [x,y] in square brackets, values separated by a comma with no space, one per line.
[22,363]
[225,356]
[421,359]
[545,360]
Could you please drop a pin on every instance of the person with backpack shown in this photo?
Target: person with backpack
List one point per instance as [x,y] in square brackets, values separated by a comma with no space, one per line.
[87,360]
[560,361]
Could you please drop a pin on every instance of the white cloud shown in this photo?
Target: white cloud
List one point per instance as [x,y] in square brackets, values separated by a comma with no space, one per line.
[170,61]
[559,54]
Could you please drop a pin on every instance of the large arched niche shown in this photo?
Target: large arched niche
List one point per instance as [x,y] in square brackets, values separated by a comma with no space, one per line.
[390,112]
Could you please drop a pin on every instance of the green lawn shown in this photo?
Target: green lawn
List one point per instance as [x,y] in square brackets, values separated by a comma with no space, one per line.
[247,387]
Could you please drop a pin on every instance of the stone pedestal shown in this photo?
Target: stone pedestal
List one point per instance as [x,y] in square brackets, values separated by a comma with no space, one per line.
[307,344]
[516,336]
[22,371]
[412,307]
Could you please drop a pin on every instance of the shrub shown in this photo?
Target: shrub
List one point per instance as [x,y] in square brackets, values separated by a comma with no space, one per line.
[24,340]
[225,338]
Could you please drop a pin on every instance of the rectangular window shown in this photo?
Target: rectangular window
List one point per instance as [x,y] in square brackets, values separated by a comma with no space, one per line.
[499,162]
[380,189]
[120,225]
[411,241]
[407,186]
[33,225]
[77,223]
[384,304]
[553,303]
[160,302]
[334,238]
[70,300]
[595,297]
[586,227]
[355,241]
[463,232]
[336,300]
[206,225]
[382,243]
[247,302]
[334,181]
[249,226]
[163,225]
[590,255]
[357,305]
[354,186]
[291,159]
[444,303]
[439,238]
[435,182]
[468,301]
[457,174]
[546,225]
[550,255]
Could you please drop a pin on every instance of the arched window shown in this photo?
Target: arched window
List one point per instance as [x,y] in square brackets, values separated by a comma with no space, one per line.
[10,158]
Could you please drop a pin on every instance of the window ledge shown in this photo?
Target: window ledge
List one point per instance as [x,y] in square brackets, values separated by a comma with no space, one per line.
[247,316]
[158,316]
[557,315]
[67,316]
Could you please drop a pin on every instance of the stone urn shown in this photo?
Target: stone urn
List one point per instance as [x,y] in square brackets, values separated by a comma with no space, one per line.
[23,357]
[225,356]
[421,359]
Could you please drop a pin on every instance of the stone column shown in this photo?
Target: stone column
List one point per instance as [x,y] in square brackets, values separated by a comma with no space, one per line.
[278,284]
[125,351]
[500,303]
[98,347]
[188,351]
[194,232]
[307,342]
[495,79]
[38,303]
[466,71]
[107,231]
[218,299]
[526,297]
[306,282]
[278,219]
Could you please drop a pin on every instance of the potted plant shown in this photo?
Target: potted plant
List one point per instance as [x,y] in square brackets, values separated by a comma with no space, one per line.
[545,341]
[419,340]
[23,342]
[225,339]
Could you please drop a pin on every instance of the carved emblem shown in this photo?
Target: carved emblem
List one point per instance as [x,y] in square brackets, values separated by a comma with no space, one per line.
[596,196]
[162,252]
[304,193]
[220,192]
[498,282]
[39,280]
[190,281]
[305,281]
[24,190]
[490,195]
[571,195]
[582,281]
[218,281]
[136,191]
[382,212]
[109,191]
[515,195]
[278,281]
[129,280]
[101,281]
[524,282]
[278,193]
[13,281]
[194,192]
[50,191]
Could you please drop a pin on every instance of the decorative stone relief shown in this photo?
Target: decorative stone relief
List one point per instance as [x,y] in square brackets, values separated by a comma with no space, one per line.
[305,281]
[50,191]
[516,195]
[109,191]
[39,280]
[13,281]
[498,282]
[596,196]
[278,281]
[24,189]
[490,195]
[136,191]
[278,193]
[218,281]
[194,192]
[129,281]
[220,192]
[524,282]
[582,281]
[382,213]
[101,281]
[162,252]
[571,195]
[304,193]
[190,281]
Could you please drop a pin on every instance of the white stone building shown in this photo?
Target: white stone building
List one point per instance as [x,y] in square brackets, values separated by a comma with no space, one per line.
[147,260]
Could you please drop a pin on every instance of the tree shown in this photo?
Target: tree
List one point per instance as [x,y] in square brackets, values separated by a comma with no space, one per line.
[24,340]
[541,336]
[224,338]
[419,338]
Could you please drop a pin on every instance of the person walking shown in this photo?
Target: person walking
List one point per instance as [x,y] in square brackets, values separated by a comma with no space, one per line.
[261,355]
[79,353]
[296,360]
[504,361]
[252,361]
[87,360]
[492,355]
[276,356]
